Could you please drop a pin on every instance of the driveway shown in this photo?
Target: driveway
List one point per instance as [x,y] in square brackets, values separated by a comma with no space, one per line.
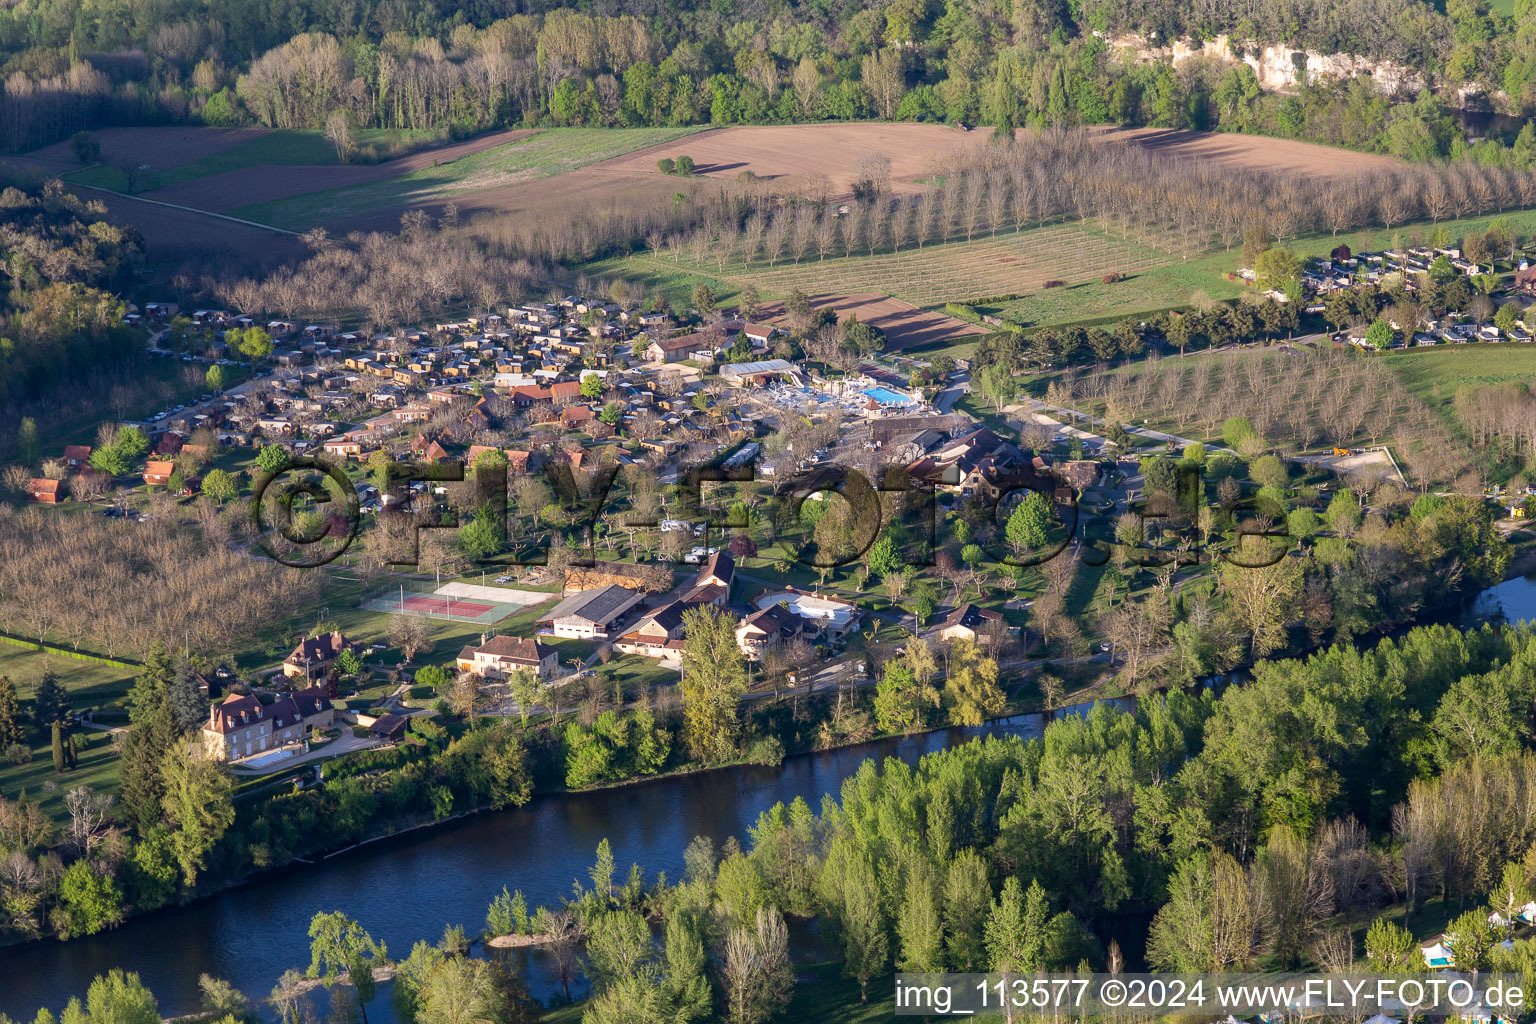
[945,400]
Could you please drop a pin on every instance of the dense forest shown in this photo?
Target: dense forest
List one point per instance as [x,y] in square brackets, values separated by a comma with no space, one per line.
[59,318]
[387,64]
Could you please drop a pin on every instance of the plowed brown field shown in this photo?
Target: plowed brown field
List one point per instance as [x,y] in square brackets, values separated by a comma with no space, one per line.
[797,156]
[1285,156]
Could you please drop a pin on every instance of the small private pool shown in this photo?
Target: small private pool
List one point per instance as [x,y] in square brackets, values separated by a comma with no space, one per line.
[269,758]
[885,396]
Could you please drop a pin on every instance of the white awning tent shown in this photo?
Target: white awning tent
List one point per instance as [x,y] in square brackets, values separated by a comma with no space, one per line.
[1438,955]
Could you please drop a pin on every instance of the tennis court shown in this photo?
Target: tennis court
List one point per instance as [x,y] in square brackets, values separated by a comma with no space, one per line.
[438,605]
[446,606]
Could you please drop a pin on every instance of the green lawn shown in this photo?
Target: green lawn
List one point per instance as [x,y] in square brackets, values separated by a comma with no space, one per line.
[635,673]
[282,147]
[89,684]
[537,156]
[569,649]
[97,767]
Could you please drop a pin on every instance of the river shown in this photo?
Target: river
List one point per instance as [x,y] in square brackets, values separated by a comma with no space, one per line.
[409,887]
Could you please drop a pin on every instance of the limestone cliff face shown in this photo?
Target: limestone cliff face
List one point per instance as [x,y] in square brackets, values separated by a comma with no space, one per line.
[1276,67]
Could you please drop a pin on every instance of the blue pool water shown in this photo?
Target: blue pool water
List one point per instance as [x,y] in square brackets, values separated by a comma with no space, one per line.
[886,396]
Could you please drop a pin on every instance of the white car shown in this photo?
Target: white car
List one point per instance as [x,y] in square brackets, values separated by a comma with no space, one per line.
[503,579]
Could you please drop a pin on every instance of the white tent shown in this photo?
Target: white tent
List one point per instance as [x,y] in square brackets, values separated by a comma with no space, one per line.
[1382,1018]
[1438,955]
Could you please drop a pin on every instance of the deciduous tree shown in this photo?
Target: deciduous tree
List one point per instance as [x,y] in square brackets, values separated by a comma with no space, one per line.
[714,680]
[971,692]
[197,805]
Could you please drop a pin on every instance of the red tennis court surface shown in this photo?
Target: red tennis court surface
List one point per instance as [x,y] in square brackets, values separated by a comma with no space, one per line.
[442,606]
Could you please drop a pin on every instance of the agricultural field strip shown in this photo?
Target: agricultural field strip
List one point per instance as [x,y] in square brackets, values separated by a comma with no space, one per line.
[544,155]
[955,271]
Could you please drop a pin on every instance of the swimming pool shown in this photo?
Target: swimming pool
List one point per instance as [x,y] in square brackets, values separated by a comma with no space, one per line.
[885,396]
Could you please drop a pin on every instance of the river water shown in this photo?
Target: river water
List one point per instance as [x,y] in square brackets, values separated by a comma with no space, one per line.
[409,887]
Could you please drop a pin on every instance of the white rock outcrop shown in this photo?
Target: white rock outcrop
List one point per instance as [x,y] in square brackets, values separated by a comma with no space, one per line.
[1276,67]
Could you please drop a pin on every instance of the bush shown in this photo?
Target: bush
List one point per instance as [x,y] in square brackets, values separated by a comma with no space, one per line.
[85,146]
[1054,284]
[1111,278]
[426,728]
[768,751]
[366,761]
[666,165]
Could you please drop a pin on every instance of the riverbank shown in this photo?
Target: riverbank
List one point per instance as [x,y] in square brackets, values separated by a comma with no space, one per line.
[1522,562]
[1025,703]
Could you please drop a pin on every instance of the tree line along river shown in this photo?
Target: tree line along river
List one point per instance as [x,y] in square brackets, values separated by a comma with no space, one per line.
[407,888]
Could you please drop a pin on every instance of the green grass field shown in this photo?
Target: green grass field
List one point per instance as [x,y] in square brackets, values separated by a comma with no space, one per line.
[538,156]
[1009,263]
[636,673]
[1434,374]
[88,683]
[96,766]
[1175,282]
[283,146]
